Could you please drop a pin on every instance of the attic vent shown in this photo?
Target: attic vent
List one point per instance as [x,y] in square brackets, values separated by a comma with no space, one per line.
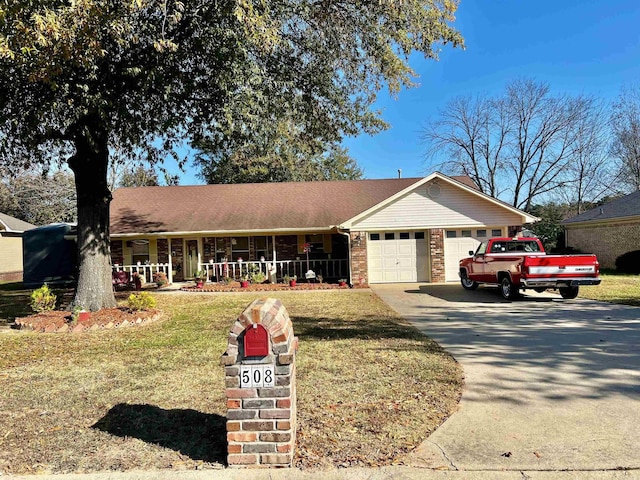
[434,190]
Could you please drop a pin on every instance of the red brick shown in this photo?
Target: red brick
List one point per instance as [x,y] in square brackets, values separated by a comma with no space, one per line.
[234,404]
[238,393]
[233,426]
[280,413]
[242,459]
[286,448]
[284,425]
[242,437]
[236,448]
[283,403]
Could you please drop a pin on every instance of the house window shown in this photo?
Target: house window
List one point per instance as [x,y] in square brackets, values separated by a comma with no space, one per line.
[140,251]
[374,236]
[390,236]
[481,233]
[419,235]
[451,234]
[496,232]
[404,236]
[240,248]
[263,247]
[316,242]
[466,233]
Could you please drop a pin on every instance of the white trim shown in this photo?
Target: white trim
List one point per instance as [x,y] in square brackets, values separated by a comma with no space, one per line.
[437,175]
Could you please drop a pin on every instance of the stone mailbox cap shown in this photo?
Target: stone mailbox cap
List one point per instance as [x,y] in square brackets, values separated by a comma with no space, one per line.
[270,316]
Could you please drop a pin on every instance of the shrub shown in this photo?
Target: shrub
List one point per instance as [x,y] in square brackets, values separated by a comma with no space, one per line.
[628,262]
[141,301]
[43,300]
[160,279]
[257,277]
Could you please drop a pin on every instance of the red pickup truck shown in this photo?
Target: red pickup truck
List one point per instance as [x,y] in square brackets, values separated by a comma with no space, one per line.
[516,264]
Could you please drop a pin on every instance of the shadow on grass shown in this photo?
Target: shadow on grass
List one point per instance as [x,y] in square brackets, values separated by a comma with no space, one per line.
[200,436]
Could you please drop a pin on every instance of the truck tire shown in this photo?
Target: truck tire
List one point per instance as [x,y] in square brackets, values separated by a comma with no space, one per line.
[507,289]
[466,282]
[568,292]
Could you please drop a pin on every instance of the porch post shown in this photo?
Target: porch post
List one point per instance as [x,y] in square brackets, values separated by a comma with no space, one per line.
[273,247]
[170,274]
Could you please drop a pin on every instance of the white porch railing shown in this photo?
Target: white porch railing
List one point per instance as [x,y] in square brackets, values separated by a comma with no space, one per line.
[145,270]
[236,270]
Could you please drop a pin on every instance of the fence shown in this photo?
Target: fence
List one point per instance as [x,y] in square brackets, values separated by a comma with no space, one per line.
[333,268]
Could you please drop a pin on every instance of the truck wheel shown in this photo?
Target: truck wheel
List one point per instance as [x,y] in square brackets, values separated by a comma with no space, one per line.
[568,292]
[508,289]
[467,283]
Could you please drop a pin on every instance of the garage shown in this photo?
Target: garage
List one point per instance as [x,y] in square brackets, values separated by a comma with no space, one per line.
[398,257]
[457,244]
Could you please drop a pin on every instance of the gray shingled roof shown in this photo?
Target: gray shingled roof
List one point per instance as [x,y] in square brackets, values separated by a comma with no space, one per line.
[627,206]
[247,207]
[11,224]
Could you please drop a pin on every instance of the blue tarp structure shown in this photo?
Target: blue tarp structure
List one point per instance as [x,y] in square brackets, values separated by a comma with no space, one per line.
[50,255]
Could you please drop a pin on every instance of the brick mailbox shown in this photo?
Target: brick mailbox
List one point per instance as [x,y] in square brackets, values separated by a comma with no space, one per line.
[260,381]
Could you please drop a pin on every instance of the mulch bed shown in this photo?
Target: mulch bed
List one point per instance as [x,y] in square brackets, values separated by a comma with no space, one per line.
[107,318]
[264,287]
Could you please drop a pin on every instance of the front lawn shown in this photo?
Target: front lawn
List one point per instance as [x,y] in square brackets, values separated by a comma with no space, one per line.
[615,288]
[370,387]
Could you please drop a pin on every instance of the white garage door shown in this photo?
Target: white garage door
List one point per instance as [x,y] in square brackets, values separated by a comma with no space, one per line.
[455,248]
[397,257]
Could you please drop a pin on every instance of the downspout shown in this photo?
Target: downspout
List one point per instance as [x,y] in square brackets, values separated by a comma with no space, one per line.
[348,235]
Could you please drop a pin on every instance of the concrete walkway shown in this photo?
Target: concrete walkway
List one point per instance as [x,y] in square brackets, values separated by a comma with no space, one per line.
[551,384]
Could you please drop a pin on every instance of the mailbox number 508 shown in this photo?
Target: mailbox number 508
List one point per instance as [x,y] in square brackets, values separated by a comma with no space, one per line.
[257,376]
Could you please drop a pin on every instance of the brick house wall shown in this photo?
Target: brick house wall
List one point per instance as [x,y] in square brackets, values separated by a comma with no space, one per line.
[436,253]
[117,252]
[608,241]
[359,266]
[163,250]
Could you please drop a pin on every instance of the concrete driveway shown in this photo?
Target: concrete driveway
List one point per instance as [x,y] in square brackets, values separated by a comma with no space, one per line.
[551,384]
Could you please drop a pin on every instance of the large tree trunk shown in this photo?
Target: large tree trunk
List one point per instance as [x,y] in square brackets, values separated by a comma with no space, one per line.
[89,164]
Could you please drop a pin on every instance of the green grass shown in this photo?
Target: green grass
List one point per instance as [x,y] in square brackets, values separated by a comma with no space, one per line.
[615,288]
[370,387]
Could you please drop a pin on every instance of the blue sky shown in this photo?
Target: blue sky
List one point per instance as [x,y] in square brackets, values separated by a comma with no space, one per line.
[577,47]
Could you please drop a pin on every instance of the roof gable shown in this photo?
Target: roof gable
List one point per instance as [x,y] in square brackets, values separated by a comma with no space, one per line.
[454,182]
[624,207]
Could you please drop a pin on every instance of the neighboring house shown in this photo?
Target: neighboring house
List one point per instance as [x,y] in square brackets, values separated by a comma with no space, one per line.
[608,231]
[367,231]
[11,230]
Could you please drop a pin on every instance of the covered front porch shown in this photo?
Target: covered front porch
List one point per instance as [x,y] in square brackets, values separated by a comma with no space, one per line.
[223,258]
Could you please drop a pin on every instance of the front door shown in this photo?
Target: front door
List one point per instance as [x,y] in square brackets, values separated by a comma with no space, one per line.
[191,263]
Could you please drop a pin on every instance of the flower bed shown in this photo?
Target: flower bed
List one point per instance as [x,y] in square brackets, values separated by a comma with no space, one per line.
[107,318]
[263,287]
